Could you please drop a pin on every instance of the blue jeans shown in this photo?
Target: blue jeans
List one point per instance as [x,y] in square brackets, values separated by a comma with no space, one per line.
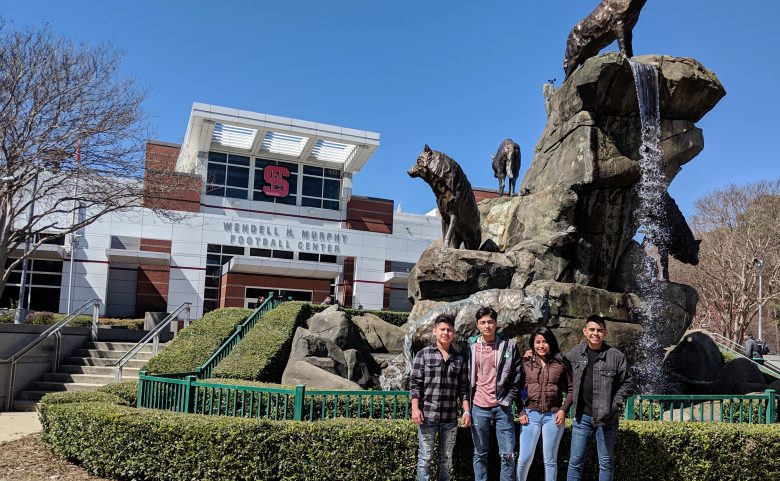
[427,436]
[539,424]
[480,434]
[581,432]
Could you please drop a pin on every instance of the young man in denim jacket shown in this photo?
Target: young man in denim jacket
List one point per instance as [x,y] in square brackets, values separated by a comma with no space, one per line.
[496,376]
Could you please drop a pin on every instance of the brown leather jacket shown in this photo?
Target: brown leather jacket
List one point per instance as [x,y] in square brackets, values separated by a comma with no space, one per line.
[546,385]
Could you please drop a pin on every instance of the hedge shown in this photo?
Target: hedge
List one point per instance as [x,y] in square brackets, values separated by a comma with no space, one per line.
[125,443]
[262,354]
[127,390]
[45,318]
[195,344]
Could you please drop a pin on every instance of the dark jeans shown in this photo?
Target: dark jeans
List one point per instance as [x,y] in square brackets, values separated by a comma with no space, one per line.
[505,432]
[427,435]
[581,432]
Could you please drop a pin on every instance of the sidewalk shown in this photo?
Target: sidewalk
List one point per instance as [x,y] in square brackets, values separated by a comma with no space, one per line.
[15,425]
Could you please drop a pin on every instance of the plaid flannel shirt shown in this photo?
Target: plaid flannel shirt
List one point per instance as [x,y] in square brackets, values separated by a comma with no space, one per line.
[439,384]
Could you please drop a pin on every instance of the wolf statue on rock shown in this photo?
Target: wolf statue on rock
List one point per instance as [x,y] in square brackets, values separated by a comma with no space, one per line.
[506,163]
[458,208]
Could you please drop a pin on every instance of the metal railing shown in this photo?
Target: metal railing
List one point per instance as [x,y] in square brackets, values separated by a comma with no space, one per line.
[751,408]
[736,350]
[56,331]
[154,336]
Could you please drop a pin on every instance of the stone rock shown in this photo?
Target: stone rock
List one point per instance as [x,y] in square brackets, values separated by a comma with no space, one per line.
[739,376]
[775,385]
[302,372]
[579,302]
[382,336]
[357,371]
[320,351]
[420,307]
[632,263]
[450,274]
[694,362]
[622,335]
[395,377]
[335,325]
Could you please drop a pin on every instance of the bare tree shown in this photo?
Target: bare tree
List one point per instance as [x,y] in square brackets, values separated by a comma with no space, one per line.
[738,226]
[72,139]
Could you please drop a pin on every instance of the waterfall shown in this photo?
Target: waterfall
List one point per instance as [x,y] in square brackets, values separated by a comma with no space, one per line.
[651,193]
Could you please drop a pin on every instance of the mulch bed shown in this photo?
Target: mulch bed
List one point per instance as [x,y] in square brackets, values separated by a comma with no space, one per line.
[29,459]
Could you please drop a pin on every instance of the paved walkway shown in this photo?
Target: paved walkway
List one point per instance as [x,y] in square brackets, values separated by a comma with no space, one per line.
[17,425]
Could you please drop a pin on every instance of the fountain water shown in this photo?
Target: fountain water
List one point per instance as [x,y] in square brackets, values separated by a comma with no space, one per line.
[650,214]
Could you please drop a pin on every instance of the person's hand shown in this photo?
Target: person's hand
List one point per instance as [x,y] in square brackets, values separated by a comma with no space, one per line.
[417,416]
[523,419]
[560,417]
[465,420]
[528,353]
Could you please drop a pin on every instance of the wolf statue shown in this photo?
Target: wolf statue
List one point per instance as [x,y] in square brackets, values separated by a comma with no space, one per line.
[611,20]
[506,163]
[460,223]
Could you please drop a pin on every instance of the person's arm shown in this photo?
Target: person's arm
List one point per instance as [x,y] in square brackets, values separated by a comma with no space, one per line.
[749,348]
[517,378]
[464,387]
[567,386]
[626,382]
[416,384]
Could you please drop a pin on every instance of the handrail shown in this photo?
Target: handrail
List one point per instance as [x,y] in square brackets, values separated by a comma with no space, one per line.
[54,330]
[154,333]
[729,344]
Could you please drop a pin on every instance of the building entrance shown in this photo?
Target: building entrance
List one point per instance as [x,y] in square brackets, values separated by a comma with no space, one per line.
[254,293]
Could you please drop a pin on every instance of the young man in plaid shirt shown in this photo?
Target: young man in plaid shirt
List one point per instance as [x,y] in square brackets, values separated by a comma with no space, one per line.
[439,377]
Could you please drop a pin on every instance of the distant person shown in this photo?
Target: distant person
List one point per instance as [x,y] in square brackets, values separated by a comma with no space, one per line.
[751,349]
[547,376]
[360,307]
[439,378]
[495,377]
[602,384]
[260,301]
[327,301]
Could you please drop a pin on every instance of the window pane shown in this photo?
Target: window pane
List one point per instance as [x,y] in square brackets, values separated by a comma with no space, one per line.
[289,200]
[260,163]
[238,160]
[312,186]
[213,271]
[293,181]
[305,256]
[217,157]
[45,299]
[309,202]
[213,248]
[327,258]
[212,282]
[209,306]
[237,177]
[291,167]
[239,251]
[215,190]
[236,193]
[283,254]
[259,182]
[215,174]
[46,266]
[333,173]
[330,204]
[308,169]
[214,260]
[260,252]
[331,189]
[47,279]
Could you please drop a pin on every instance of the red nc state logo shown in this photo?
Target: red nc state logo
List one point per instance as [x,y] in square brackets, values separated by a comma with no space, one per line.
[274,176]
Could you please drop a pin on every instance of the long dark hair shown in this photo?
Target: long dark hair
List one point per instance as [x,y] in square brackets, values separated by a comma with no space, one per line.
[547,334]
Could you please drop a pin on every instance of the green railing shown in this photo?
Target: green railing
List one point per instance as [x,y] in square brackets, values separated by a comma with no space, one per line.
[189,395]
[751,408]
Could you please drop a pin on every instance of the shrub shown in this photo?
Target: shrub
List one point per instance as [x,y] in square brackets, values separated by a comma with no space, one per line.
[262,354]
[49,318]
[127,390]
[195,344]
[7,316]
[124,443]
[68,397]
[40,318]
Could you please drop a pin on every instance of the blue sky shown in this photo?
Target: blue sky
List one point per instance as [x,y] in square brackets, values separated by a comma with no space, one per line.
[460,76]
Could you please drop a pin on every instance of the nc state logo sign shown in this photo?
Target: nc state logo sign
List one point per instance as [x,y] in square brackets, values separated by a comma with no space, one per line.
[274,176]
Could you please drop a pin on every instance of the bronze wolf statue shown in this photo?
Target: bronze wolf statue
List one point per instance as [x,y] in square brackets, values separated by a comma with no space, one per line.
[454,197]
[506,163]
[611,20]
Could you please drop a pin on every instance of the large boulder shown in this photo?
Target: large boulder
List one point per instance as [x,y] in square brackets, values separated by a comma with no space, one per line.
[622,335]
[694,363]
[336,325]
[302,372]
[357,371]
[320,351]
[381,335]
[739,376]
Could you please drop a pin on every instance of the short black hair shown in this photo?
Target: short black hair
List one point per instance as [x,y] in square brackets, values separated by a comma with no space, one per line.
[486,311]
[447,318]
[548,336]
[597,319]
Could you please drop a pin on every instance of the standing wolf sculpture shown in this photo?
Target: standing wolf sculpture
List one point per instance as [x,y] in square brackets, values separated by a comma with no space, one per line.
[611,20]
[454,197]
[506,163]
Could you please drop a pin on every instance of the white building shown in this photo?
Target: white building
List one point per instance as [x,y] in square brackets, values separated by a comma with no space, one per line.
[269,208]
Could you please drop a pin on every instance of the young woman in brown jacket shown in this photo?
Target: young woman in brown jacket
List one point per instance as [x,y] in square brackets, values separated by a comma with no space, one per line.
[547,377]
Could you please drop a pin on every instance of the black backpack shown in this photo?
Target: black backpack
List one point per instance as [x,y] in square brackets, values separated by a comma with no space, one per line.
[762,347]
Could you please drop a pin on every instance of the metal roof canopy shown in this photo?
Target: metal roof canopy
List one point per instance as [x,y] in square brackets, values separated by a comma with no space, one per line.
[237,131]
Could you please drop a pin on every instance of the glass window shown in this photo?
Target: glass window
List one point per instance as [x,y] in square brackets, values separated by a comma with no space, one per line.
[330,189]
[309,170]
[327,258]
[218,255]
[330,204]
[291,181]
[260,252]
[306,256]
[227,175]
[333,173]
[309,202]
[237,176]
[283,254]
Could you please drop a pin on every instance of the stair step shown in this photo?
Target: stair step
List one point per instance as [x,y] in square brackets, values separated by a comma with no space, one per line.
[50,386]
[29,406]
[99,370]
[118,346]
[78,378]
[96,361]
[105,354]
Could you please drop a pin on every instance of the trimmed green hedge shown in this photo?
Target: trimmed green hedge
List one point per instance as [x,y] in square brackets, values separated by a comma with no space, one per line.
[262,354]
[125,443]
[195,344]
[68,397]
[44,318]
[127,390]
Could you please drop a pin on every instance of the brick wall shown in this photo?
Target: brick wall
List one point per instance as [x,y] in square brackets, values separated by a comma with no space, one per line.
[233,287]
[156,245]
[163,187]
[152,289]
[370,214]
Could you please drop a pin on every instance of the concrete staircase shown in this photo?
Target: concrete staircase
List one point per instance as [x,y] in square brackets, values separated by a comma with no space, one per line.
[89,368]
